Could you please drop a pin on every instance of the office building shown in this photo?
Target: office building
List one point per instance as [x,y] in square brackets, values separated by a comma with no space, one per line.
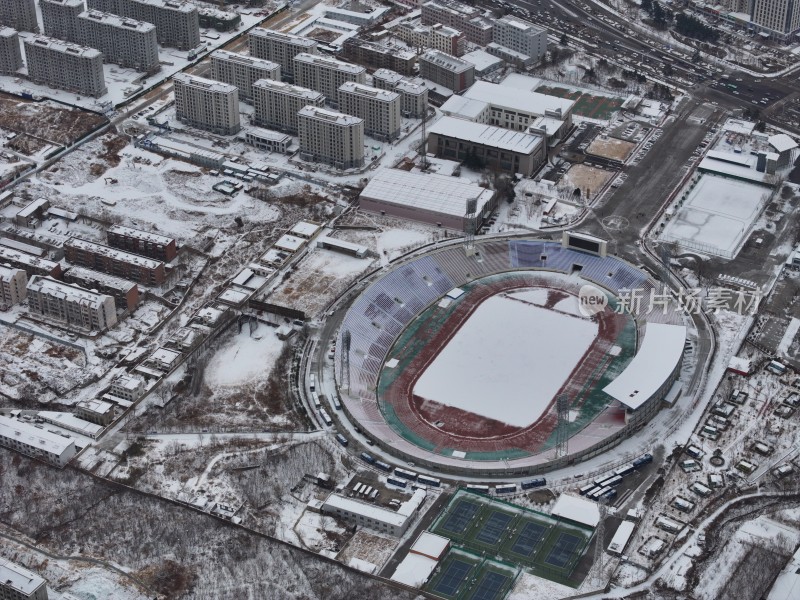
[413,92]
[778,18]
[279,48]
[123,41]
[177,22]
[19,15]
[84,253]
[432,37]
[70,305]
[10,52]
[446,70]
[476,26]
[37,443]
[207,104]
[18,583]
[124,292]
[60,19]
[12,286]
[521,36]
[379,56]
[141,242]
[65,66]
[380,109]
[242,71]
[277,103]
[331,138]
[326,74]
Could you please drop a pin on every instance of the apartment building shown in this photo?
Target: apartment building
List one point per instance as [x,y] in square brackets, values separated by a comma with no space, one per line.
[60,19]
[12,286]
[780,18]
[379,56]
[177,22]
[521,36]
[434,37]
[446,70]
[10,52]
[476,26]
[413,92]
[325,74]
[279,48]
[207,104]
[18,583]
[277,103]
[19,15]
[141,242]
[380,109]
[65,66]
[70,305]
[32,265]
[242,71]
[84,253]
[123,41]
[331,137]
[124,292]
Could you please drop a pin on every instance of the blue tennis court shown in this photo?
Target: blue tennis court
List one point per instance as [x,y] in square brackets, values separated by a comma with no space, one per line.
[490,586]
[455,574]
[460,516]
[563,550]
[493,528]
[529,538]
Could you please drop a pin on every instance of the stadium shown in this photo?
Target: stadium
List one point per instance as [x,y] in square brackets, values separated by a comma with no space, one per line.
[491,362]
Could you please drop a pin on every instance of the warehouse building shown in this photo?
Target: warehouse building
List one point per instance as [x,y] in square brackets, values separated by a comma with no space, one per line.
[476,26]
[115,262]
[71,305]
[277,103]
[124,292]
[325,74]
[12,286]
[18,583]
[177,22]
[207,104]
[413,92]
[446,70]
[123,41]
[19,15]
[10,52]
[494,147]
[330,137]
[141,242]
[60,19]
[242,71]
[279,48]
[426,197]
[65,66]
[521,36]
[380,109]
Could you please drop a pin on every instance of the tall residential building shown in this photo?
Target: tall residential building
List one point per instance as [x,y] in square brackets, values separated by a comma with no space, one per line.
[16,582]
[19,15]
[207,104]
[379,56]
[177,22]
[475,25]
[12,286]
[60,19]
[123,41]
[71,305]
[413,92]
[521,36]
[380,109]
[277,103]
[331,137]
[65,66]
[325,74]
[435,37]
[10,52]
[279,47]
[443,69]
[779,16]
[242,71]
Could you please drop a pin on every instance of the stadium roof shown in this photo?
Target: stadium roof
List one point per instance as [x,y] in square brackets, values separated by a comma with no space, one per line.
[577,509]
[660,352]
[437,193]
[504,96]
[487,135]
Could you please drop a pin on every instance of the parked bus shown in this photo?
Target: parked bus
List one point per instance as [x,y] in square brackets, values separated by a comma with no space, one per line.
[642,460]
[481,489]
[533,483]
[583,491]
[609,495]
[315,399]
[336,403]
[325,417]
[383,466]
[312,382]
[613,481]
[509,488]
[431,481]
[405,474]
[625,470]
[367,458]
[398,482]
[342,440]
[374,494]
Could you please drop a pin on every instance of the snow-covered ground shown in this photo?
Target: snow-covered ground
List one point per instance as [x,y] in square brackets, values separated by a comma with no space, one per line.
[244,357]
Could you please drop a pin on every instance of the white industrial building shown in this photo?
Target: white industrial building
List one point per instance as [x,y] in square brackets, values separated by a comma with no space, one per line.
[70,305]
[380,109]
[242,71]
[331,137]
[18,583]
[426,197]
[10,52]
[123,41]
[177,22]
[12,286]
[279,47]
[325,74]
[375,517]
[38,443]
[207,104]
[65,66]
[277,103]
[521,36]
[422,559]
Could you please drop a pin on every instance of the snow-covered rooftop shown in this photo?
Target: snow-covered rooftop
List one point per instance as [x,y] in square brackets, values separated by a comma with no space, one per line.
[305,229]
[513,98]
[430,545]
[782,142]
[140,235]
[52,287]
[447,61]
[466,108]
[315,112]
[90,276]
[284,37]
[204,84]
[482,60]
[621,537]
[371,92]
[329,63]
[726,168]
[488,135]
[414,570]
[19,578]
[245,60]
[116,21]
[33,436]
[113,253]
[290,243]
[787,585]
[577,509]
[71,422]
[660,352]
[62,46]
[287,88]
[739,126]
[378,513]
[96,406]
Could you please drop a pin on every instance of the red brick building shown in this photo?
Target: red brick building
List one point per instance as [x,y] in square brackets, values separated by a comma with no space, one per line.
[124,292]
[144,243]
[145,271]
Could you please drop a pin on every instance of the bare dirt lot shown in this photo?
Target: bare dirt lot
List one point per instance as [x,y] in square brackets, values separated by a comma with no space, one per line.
[46,120]
[588,178]
[610,148]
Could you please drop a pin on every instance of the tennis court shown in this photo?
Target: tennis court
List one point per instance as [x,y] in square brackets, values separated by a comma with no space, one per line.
[460,516]
[563,550]
[528,539]
[494,528]
[454,573]
[491,586]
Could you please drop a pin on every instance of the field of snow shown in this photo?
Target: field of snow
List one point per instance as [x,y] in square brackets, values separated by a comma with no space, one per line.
[717,215]
[519,356]
[244,358]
